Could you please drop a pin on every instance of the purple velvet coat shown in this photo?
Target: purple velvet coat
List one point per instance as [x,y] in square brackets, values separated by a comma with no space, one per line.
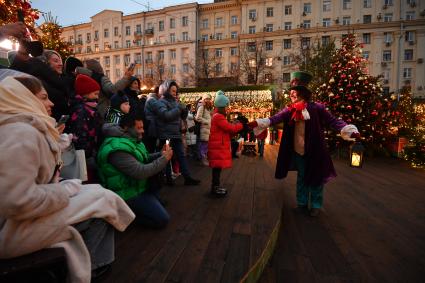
[319,168]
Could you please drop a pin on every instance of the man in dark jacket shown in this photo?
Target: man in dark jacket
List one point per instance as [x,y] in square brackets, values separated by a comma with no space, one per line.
[125,166]
[169,115]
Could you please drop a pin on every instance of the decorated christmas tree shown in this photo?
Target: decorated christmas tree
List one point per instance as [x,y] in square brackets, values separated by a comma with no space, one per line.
[9,13]
[51,36]
[353,95]
[415,151]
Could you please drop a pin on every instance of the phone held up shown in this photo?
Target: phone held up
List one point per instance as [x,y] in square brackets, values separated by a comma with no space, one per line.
[63,119]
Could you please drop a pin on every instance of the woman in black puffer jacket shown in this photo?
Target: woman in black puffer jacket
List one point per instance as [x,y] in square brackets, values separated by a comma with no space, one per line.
[137,104]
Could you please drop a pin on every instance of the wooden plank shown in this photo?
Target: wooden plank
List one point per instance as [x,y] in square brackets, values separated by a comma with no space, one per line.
[237,260]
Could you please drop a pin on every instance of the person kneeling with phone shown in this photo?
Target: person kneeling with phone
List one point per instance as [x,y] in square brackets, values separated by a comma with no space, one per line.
[125,167]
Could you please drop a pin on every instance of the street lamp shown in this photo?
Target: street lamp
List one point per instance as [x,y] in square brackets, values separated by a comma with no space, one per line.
[356,155]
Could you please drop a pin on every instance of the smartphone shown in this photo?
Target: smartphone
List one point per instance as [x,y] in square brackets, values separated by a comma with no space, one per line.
[63,119]
[167,142]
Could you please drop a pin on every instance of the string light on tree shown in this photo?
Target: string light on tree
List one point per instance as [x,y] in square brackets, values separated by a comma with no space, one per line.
[50,36]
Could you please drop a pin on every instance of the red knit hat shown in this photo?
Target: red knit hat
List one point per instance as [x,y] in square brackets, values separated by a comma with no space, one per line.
[85,85]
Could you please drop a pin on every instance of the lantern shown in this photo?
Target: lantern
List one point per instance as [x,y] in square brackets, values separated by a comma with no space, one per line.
[356,155]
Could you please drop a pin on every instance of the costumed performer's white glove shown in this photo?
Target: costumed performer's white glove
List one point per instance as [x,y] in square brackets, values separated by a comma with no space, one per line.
[262,124]
[72,186]
[348,131]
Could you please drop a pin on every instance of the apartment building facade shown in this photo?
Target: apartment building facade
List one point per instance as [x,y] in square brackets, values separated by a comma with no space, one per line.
[189,41]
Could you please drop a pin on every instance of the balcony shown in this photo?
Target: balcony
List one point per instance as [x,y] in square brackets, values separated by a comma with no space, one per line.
[149,31]
[138,34]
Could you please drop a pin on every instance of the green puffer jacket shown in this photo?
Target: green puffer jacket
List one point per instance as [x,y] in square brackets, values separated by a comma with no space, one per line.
[111,178]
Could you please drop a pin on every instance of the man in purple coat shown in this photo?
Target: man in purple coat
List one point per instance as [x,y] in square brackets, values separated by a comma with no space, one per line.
[303,146]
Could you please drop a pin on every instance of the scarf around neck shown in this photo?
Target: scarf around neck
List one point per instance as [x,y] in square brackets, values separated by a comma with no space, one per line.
[299,111]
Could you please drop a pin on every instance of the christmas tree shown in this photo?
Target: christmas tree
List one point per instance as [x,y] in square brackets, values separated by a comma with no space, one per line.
[415,151]
[353,95]
[9,13]
[51,36]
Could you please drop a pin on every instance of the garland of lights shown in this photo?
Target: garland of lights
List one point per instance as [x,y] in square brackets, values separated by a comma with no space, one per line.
[9,13]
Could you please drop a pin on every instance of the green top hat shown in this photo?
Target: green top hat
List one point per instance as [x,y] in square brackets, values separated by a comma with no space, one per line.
[300,80]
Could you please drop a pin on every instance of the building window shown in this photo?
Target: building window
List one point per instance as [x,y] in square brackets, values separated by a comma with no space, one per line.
[161,55]
[172,37]
[269,45]
[234,34]
[138,29]
[185,22]
[388,2]
[409,36]
[149,56]
[88,37]
[204,37]
[288,25]
[233,66]
[138,58]
[346,21]
[410,16]
[219,22]
[218,52]
[172,23]
[388,37]
[96,48]
[115,31]
[367,3]
[185,68]
[116,46]
[307,8]
[205,23]
[367,19]
[218,68]
[287,43]
[117,59]
[233,51]
[408,55]
[127,30]
[252,14]
[306,24]
[161,25]
[305,42]
[286,77]
[407,73]
[251,29]
[96,34]
[173,69]
[326,40]
[185,36]
[219,36]
[327,5]
[252,63]
[365,54]
[388,17]
[288,10]
[80,39]
[346,4]
[286,60]
[269,27]
[127,43]
[252,46]
[326,22]
[234,20]
[88,49]
[366,38]
[127,59]
[269,61]
[106,46]
[173,54]
[118,73]
[269,12]
[386,55]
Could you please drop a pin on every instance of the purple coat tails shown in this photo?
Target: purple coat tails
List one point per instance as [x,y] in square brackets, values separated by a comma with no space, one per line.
[319,168]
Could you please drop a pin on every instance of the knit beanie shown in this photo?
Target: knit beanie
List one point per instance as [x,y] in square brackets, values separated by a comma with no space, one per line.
[118,99]
[221,100]
[85,85]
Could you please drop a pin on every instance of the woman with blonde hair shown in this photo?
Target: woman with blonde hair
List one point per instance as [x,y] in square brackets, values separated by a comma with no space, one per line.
[36,210]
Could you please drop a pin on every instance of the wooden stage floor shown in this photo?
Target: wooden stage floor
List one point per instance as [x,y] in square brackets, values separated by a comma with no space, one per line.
[372,228]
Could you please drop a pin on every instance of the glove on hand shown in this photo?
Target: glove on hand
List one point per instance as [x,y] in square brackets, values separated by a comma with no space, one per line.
[72,186]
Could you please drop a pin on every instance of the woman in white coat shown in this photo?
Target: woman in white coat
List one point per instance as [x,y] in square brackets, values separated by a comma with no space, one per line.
[37,211]
[203,116]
